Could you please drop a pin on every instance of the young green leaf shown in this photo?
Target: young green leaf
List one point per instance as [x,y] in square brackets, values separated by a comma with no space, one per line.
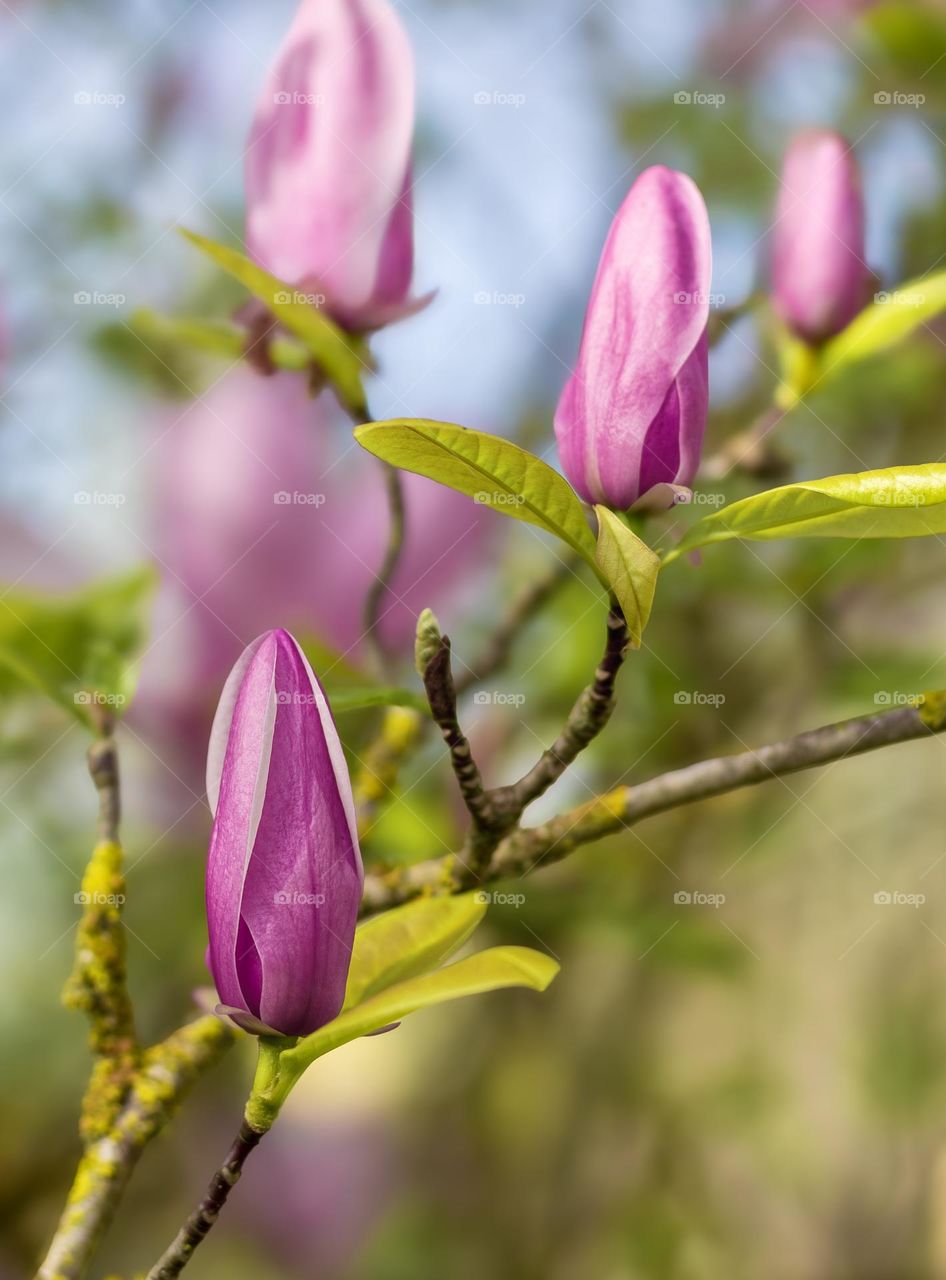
[213,336]
[79,650]
[631,568]
[489,970]
[409,940]
[340,356]
[488,469]
[890,318]
[899,502]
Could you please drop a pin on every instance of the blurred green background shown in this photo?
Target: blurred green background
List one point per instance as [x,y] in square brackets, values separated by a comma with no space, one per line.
[756,1088]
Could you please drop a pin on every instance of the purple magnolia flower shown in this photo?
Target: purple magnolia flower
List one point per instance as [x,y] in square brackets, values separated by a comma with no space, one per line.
[284,873]
[633,413]
[819,276]
[328,163]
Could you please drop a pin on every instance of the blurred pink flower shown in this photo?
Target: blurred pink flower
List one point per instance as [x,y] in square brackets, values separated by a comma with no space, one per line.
[258,527]
[819,278]
[328,163]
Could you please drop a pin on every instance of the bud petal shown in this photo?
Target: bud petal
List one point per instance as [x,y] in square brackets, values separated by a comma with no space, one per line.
[633,413]
[328,168]
[284,873]
[820,280]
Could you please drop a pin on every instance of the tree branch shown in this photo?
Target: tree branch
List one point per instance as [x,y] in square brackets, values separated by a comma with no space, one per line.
[167,1072]
[523,850]
[97,985]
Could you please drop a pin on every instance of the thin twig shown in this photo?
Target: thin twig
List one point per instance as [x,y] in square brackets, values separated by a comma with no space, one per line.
[585,721]
[525,849]
[392,555]
[181,1249]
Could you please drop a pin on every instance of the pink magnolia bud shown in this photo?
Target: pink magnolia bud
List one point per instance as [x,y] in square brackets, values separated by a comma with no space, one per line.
[820,280]
[284,873]
[633,413]
[328,163]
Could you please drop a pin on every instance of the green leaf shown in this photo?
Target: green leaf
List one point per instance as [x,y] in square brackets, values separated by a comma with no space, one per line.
[492,471]
[489,970]
[631,568]
[341,356]
[81,649]
[891,317]
[899,502]
[409,940]
[376,696]
[215,337]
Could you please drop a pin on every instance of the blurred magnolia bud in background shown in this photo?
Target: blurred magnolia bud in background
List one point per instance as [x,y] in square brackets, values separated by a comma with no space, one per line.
[328,162]
[266,515]
[819,278]
[633,413]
